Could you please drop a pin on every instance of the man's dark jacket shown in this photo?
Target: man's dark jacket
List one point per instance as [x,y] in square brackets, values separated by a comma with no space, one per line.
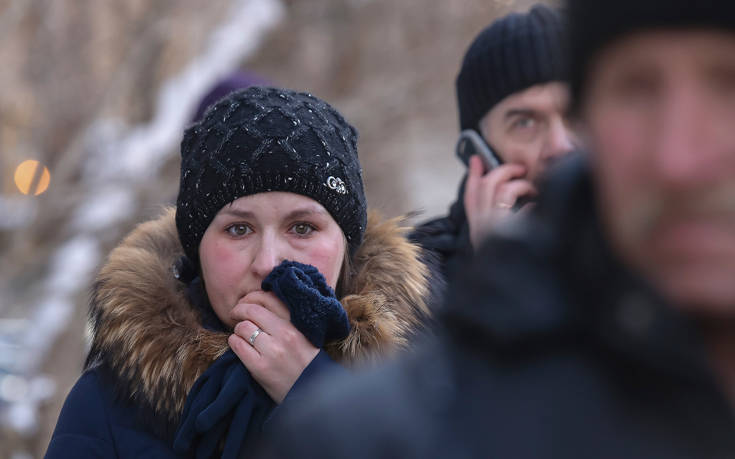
[550,349]
[446,240]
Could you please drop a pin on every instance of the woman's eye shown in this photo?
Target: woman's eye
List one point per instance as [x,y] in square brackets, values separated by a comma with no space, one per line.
[302,229]
[238,230]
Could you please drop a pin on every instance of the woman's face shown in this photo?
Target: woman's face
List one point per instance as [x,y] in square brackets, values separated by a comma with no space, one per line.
[254,234]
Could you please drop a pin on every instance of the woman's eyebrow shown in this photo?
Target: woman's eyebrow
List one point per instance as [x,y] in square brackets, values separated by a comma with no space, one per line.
[301,213]
[235,212]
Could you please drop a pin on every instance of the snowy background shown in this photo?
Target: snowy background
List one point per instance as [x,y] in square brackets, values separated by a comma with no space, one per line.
[98,92]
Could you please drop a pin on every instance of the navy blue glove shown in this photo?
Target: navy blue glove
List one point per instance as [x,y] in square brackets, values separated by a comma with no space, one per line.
[315,310]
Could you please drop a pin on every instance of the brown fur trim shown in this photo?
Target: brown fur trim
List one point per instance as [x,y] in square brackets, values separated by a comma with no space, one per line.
[390,289]
[148,333]
[144,327]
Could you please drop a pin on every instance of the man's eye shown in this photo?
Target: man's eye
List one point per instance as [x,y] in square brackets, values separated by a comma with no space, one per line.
[238,230]
[302,229]
[524,123]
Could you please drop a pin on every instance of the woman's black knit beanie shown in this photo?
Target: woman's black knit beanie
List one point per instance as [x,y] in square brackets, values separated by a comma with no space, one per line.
[595,24]
[513,53]
[268,139]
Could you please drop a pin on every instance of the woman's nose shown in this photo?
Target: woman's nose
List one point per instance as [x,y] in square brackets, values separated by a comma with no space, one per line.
[267,257]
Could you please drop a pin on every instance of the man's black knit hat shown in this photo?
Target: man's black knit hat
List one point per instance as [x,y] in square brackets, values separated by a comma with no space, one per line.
[513,53]
[596,24]
[268,139]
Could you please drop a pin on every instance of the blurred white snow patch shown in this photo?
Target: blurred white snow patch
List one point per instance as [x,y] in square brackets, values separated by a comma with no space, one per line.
[139,154]
[13,388]
[11,333]
[50,318]
[106,208]
[24,353]
[17,212]
[72,265]
[21,417]
[100,140]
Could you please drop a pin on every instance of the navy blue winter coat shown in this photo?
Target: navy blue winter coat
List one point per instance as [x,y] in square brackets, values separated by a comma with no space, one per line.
[154,339]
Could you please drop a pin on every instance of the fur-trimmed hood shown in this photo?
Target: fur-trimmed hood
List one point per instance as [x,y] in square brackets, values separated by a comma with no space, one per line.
[151,337]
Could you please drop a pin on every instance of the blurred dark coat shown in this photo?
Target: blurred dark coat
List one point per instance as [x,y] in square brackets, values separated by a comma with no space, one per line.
[152,340]
[446,240]
[551,349]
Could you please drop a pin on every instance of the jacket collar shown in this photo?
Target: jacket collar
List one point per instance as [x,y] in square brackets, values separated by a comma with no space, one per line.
[151,337]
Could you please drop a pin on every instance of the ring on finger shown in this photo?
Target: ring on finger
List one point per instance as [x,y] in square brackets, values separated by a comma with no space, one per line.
[255,334]
[504,205]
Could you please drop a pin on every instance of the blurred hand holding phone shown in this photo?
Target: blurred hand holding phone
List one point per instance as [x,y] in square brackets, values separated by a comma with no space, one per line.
[494,191]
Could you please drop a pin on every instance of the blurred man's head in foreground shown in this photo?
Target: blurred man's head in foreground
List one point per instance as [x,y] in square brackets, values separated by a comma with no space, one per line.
[654,85]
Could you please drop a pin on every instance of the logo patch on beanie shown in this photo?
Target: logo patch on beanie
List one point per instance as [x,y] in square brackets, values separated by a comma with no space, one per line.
[337,184]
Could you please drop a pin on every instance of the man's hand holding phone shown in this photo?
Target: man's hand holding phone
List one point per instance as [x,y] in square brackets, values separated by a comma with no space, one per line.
[489,197]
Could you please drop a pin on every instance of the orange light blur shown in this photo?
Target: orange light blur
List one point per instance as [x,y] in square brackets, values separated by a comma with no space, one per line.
[27,172]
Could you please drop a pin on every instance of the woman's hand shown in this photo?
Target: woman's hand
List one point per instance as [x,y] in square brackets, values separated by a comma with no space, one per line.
[279,352]
[489,198]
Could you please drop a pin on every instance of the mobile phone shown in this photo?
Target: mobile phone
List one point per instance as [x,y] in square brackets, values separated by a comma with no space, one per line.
[470,143]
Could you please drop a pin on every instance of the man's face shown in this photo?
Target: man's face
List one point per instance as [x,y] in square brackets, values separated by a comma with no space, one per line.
[530,127]
[660,113]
